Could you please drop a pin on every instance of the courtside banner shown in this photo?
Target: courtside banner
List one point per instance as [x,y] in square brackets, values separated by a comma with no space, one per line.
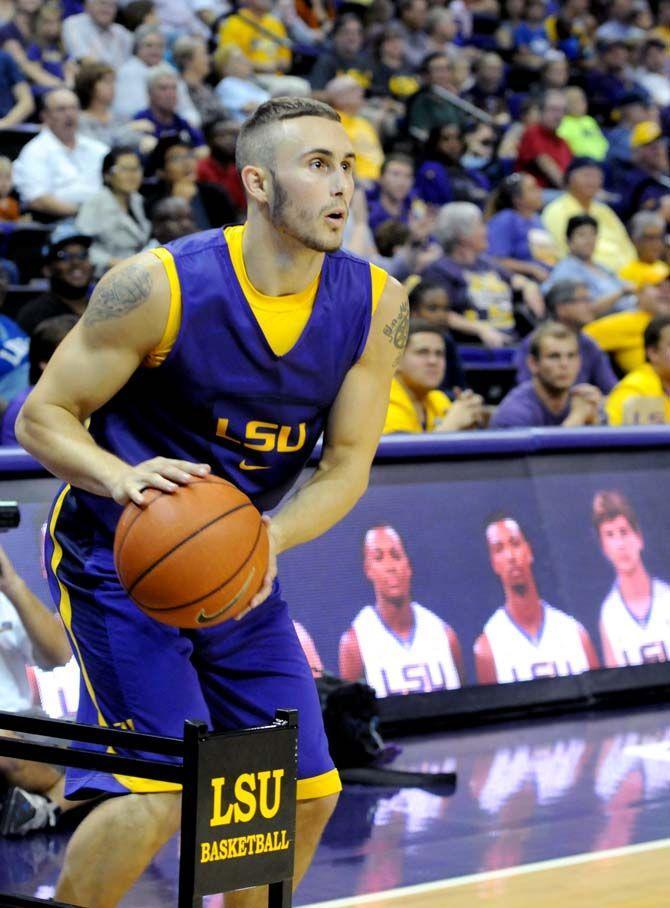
[245,829]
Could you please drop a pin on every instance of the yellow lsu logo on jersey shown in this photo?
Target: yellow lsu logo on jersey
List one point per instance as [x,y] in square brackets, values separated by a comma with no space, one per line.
[251,793]
[265,436]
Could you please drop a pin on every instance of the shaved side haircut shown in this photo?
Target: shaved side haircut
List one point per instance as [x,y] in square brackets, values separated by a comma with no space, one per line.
[253,146]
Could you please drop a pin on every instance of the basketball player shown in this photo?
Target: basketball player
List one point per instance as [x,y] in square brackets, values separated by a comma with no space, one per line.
[399,646]
[526,637]
[635,614]
[234,348]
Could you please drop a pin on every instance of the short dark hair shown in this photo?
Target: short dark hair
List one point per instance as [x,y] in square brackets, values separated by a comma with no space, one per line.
[397,157]
[580,220]
[44,340]
[156,160]
[390,234]
[88,76]
[422,288]
[609,504]
[549,329]
[110,159]
[499,517]
[559,293]
[251,149]
[653,331]
[421,326]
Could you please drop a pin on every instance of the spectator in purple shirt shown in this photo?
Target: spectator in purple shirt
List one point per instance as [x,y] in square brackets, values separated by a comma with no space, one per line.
[162,109]
[391,198]
[570,303]
[442,178]
[552,397]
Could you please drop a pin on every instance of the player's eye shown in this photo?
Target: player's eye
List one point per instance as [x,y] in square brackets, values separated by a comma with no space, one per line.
[317,164]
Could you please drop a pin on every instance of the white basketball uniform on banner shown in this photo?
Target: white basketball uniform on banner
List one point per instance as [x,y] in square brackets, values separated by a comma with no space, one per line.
[635,642]
[420,664]
[558,649]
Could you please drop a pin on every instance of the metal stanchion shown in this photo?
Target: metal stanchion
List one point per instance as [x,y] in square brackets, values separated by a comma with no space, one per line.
[238,796]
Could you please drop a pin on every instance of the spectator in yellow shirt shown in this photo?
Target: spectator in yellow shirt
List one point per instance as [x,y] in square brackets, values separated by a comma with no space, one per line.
[643,396]
[622,333]
[346,95]
[416,404]
[583,182]
[647,229]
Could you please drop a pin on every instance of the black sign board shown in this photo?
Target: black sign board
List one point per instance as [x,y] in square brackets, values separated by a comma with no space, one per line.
[238,814]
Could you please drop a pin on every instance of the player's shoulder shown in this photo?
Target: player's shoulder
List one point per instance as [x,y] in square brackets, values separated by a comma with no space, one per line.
[195,243]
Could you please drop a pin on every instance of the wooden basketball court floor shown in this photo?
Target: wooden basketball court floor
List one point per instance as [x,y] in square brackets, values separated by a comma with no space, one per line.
[574,812]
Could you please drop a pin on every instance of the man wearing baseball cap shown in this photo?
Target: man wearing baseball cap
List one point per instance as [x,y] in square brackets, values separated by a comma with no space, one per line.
[69,270]
[648,183]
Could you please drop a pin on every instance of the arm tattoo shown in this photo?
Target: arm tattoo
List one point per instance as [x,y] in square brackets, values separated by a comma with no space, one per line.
[117,295]
[397,331]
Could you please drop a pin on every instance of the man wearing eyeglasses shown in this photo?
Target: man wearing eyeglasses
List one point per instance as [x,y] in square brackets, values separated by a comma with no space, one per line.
[70,272]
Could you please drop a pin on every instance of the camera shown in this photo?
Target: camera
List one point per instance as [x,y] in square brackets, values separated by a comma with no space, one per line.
[10,516]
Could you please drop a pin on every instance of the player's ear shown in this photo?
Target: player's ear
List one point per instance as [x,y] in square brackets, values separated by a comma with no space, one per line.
[256,182]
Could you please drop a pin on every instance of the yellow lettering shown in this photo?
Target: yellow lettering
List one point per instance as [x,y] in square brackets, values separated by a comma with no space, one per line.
[232,847]
[222,431]
[263,777]
[260,843]
[268,842]
[284,841]
[245,786]
[205,852]
[219,818]
[215,850]
[261,436]
[242,847]
[283,446]
[250,839]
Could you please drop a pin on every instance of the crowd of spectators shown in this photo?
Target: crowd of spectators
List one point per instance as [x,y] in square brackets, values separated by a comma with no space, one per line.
[511,161]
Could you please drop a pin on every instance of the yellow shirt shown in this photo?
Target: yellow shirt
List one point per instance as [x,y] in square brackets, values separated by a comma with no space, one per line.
[368,149]
[640,384]
[239,30]
[402,417]
[641,274]
[622,335]
[614,247]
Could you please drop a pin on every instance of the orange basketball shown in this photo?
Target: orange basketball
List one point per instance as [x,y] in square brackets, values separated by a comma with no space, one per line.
[194,557]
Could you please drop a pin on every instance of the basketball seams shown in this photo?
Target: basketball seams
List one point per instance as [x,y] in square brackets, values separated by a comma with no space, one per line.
[171,551]
[217,480]
[216,589]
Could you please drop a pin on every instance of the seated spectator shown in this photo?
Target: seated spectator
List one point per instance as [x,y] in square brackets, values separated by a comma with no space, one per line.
[632,109]
[46,337]
[648,180]
[346,95]
[194,66]
[171,219]
[416,404]
[14,368]
[393,77]
[570,27]
[652,71]
[610,79]
[219,167]
[68,267]
[442,178]
[412,16]
[391,199]
[489,91]
[480,291]
[16,99]
[481,153]
[50,65]
[239,91]
[95,86]
[621,334]
[162,88]
[642,395]
[60,168]
[149,52]
[173,162]
[554,74]
[33,634]
[579,130]
[583,182]
[569,303]
[542,152]
[114,217]
[194,17]
[346,55]
[517,238]
[647,229]
[552,397]
[430,303]
[10,209]
[607,290]
[16,38]
[432,106]
[262,38]
[531,41]
[95,35]
[620,24]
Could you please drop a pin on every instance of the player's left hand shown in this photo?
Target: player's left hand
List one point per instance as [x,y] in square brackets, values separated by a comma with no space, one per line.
[271,572]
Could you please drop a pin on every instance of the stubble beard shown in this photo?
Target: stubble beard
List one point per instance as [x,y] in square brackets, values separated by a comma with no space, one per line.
[293,221]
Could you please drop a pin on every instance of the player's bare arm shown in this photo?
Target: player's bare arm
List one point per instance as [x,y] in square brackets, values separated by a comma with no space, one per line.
[456,652]
[350,662]
[352,434]
[589,648]
[123,322]
[485,666]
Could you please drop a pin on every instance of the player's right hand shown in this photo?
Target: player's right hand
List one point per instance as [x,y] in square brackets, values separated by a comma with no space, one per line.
[162,473]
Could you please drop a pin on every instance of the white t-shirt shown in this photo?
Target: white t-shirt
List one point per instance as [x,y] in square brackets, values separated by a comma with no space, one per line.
[15,653]
[420,664]
[635,642]
[47,167]
[558,649]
